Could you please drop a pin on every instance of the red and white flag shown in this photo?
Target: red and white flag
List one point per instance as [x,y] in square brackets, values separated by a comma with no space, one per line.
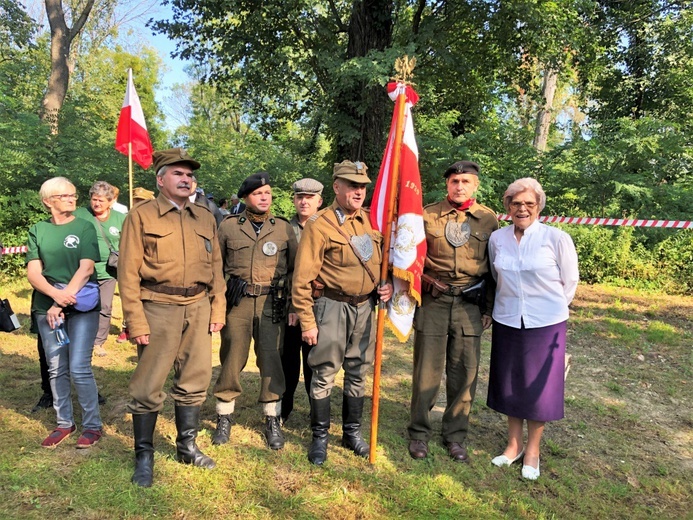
[408,244]
[133,129]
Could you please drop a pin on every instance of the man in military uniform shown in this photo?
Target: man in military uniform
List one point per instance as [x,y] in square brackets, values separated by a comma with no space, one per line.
[307,201]
[258,250]
[172,290]
[454,312]
[336,279]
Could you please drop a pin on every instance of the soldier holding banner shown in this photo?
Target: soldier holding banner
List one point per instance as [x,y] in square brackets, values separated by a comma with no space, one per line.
[455,310]
[334,291]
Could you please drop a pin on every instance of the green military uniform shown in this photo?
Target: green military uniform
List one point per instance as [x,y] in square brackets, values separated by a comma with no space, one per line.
[172,288]
[344,315]
[264,260]
[448,329]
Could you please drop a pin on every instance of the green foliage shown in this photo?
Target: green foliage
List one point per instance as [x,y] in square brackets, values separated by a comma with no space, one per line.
[21,210]
[674,257]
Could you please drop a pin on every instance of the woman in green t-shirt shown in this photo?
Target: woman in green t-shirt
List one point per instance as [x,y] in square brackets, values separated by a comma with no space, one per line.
[62,250]
[108,224]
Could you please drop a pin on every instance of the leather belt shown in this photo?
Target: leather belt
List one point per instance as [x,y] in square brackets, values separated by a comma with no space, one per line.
[442,287]
[339,296]
[193,290]
[255,290]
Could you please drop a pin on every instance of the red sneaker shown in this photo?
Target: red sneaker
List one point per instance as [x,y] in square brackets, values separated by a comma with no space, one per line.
[57,436]
[88,438]
[123,336]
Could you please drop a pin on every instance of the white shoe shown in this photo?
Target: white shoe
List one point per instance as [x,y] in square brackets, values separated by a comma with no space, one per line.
[502,460]
[530,473]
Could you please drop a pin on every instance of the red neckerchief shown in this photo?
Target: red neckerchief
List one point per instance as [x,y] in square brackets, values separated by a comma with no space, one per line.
[464,206]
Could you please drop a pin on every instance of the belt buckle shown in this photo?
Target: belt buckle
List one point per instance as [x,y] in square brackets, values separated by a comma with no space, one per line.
[190,291]
[257,290]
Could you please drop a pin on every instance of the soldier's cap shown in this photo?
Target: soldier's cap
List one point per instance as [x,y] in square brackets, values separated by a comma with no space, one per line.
[142,194]
[255,181]
[462,167]
[351,171]
[173,156]
[307,187]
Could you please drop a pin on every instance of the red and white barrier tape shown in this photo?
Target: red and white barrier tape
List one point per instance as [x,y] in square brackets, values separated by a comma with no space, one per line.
[16,249]
[594,221]
[590,221]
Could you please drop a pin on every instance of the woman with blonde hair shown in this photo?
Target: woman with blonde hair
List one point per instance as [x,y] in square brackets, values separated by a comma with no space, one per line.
[60,261]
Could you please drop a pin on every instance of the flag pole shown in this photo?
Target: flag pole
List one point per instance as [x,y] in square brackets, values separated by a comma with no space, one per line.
[130,171]
[384,268]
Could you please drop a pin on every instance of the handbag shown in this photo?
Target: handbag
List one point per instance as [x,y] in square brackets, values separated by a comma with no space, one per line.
[8,319]
[112,261]
[88,296]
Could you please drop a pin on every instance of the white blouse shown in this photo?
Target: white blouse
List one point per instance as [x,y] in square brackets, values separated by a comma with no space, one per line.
[536,279]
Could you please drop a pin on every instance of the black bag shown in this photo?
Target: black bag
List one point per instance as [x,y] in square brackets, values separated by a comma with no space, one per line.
[8,319]
[112,263]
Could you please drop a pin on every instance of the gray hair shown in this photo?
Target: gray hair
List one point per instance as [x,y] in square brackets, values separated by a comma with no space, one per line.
[524,184]
[54,186]
[102,188]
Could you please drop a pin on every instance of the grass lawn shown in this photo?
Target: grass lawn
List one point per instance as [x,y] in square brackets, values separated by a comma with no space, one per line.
[624,450]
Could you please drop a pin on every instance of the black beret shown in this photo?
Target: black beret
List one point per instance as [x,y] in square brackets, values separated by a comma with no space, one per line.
[255,181]
[462,167]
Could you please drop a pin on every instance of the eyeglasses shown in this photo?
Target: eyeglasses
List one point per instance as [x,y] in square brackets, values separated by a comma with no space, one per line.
[66,196]
[518,204]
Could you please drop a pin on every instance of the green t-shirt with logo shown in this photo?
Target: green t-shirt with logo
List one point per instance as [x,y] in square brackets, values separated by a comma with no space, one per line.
[111,228]
[60,248]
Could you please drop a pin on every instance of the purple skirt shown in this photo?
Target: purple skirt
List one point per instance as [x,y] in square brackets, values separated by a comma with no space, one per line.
[526,377]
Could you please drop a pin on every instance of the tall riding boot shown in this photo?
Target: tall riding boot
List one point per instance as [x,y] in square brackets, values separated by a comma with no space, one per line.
[320,424]
[187,452]
[352,411]
[143,425]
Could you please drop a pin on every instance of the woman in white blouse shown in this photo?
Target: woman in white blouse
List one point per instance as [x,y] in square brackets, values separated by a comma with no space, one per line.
[536,270]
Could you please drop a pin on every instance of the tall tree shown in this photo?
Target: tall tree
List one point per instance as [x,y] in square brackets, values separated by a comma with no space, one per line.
[62,37]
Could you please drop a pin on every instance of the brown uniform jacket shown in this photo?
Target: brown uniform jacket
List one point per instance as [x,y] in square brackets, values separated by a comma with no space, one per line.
[325,254]
[464,265]
[160,244]
[247,256]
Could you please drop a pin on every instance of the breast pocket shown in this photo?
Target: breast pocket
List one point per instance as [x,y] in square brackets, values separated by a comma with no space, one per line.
[377,248]
[204,238]
[237,253]
[277,262]
[159,244]
[338,253]
[438,244]
[478,246]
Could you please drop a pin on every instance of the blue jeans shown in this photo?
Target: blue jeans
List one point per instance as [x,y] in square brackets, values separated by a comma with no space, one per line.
[72,362]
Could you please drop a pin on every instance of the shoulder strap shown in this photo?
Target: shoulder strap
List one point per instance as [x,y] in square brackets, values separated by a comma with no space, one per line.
[356,252]
[103,234]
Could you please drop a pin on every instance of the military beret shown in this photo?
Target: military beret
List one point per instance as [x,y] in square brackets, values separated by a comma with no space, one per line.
[308,187]
[142,194]
[173,156]
[255,181]
[462,167]
[351,171]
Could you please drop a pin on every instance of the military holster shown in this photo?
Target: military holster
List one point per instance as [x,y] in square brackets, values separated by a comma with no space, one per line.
[235,291]
[279,300]
[475,293]
[317,289]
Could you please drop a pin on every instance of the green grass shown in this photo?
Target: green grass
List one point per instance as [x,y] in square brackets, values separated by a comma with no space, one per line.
[622,452]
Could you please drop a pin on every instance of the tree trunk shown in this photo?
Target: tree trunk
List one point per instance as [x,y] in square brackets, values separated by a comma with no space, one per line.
[61,39]
[364,107]
[544,116]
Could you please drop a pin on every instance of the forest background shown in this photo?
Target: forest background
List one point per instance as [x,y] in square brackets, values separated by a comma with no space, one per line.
[591,97]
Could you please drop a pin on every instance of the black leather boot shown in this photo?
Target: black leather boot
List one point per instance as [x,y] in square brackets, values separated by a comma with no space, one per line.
[223,431]
[187,452]
[273,432]
[352,411]
[320,424]
[143,425]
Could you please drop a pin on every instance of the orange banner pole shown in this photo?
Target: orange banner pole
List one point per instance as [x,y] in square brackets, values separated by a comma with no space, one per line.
[384,268]
[130,171]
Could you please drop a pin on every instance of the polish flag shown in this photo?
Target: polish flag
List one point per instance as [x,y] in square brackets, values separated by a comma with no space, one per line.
[132,129]
[408,244]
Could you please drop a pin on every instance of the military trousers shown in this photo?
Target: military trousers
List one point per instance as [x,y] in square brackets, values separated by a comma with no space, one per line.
[448,337]
[179,337]
[251,320]
[346,339]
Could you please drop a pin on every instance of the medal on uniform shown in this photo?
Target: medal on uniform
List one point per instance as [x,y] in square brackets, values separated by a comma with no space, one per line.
[269,248]
[364,245]
[457,233]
